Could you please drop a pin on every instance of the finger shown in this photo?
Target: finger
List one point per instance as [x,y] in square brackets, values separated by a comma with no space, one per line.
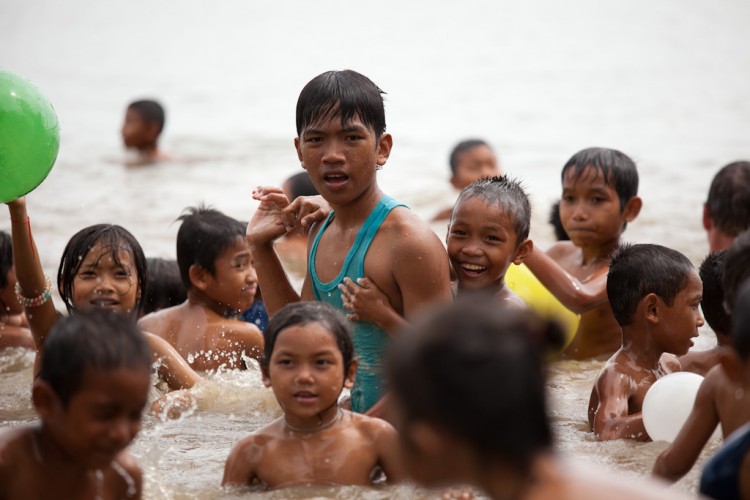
[351,287]
[363,282]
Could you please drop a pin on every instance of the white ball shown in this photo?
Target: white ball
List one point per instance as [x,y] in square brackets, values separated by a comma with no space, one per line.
[668,404]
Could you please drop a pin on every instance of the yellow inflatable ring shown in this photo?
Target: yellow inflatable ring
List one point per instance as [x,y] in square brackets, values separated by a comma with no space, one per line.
[523,282]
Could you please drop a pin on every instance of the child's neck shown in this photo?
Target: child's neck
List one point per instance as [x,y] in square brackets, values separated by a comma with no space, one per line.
[638,344]
[354,213]
[320,422]
[200,299]
[596,254]
[48,454]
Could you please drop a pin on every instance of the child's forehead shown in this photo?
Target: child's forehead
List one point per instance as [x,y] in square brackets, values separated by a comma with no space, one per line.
[308,336]
[477,208]
[588,175]
[238,246]
[108,253]
[334,118]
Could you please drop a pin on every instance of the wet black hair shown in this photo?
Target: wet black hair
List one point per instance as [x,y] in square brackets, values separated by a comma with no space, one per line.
[6,257]
[556,222]
[475,370]
[204,234]
[741,326]
[637,270]
[303,313]
[301,185]
[712,304]
[341,93]
[150,110]
[114,239]
[617,169]
[736,268]
[165,287]
[509,195]
[461,148]
[94,339]
[728,200]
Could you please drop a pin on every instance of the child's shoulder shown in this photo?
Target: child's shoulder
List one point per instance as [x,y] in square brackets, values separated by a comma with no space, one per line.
[562,249]
[371,427]
[13,444]
[126,476]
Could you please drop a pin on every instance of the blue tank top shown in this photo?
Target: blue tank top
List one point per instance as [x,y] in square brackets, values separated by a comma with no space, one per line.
[370,341]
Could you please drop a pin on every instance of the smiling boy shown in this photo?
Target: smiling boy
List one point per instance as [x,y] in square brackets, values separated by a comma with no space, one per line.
[342,143]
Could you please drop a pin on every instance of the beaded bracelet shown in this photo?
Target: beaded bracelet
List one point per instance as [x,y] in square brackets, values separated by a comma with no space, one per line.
[39,299]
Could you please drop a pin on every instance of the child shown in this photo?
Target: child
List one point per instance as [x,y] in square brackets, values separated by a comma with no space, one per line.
[655,295]
[726,212]
[342,143]
[712,305]
[468,393]
[89,395]
[469,161]
[599,198]
[727,474]
[102,267]
[165,287]
[488,231]
[14,330]
[217,270]
[144,122]
[308,360]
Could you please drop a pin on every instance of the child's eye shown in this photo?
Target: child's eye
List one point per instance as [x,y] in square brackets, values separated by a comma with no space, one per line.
[323,362]
[597,199]
[284,362]
[87,275]
[458,232]
[353,137]
[494,238]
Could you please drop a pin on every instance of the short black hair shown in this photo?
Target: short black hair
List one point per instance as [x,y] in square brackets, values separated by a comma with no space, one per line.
[303,313]
[741,326]
[556,222]
[341,93]
[711,271]
[301,185]
[736,268]
[203,235]
[6,257]
[461,148]
[95,339]
[113,238]
[728,200]
[509,195]
[617,169]
[637,270]
[476,371]
[150,110]
[165,287]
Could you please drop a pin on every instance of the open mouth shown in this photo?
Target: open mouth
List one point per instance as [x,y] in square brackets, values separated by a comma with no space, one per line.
[335,181]
[104,303]
[305,397]
[473,269]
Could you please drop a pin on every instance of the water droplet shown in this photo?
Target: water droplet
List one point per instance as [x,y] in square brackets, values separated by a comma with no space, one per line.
[190,358]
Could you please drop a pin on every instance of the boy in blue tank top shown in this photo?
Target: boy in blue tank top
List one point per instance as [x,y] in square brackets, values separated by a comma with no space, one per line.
[341,143]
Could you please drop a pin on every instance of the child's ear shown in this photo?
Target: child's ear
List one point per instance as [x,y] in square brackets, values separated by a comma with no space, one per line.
[708,221]
[384,148]
[454,182]
[732,365]
[523,252]
[351,374]
[45,399]
[265,376]
[651,304]
[198,277]
[632,208]
[299,151]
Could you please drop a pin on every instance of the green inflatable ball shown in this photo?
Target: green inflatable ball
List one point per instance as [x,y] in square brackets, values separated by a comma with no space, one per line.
[29,136]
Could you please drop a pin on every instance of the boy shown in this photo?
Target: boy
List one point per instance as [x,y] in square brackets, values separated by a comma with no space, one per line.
[14,330]
[342,142]
[216,268]
[308,360]
[144,121]
[469,161]
[599,198]
[488,232]
[89,395]
[726,212]
[655,295]
[724,395]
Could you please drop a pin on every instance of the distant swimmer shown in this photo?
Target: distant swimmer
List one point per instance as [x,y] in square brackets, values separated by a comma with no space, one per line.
[144,123]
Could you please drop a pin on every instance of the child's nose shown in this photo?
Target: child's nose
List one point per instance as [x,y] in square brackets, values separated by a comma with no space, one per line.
[104,285]
[472,248]
[121,432]
[304,374]
[333,152]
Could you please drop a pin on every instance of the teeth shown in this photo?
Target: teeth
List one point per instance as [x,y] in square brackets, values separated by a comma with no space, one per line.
[473,267]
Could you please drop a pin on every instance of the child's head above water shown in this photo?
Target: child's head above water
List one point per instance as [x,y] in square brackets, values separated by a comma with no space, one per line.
[727,208]
[615,167]
[8,300]
[489,230]
[470,375]
[637,271]
[343,94]
[741,326]
[96,363]
[165,287]
[213,257]
[471,160]
[736,268]
[711,271]
[144,121]
[102,266]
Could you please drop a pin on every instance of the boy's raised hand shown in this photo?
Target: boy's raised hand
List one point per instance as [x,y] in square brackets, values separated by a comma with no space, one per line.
[270,221]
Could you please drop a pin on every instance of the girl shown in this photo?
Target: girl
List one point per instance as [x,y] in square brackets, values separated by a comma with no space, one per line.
[14,330]
[102,267]
[308,359]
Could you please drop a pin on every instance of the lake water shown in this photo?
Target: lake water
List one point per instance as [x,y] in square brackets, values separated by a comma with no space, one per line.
[666,82]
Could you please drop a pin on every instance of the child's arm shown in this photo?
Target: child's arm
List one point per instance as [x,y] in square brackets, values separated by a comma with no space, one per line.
[679,458]
[576,296]
[133,488]
[172,367]
[367,302]
[611,419]
[241,464]
[31,278]
[274,217]
[388,446]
